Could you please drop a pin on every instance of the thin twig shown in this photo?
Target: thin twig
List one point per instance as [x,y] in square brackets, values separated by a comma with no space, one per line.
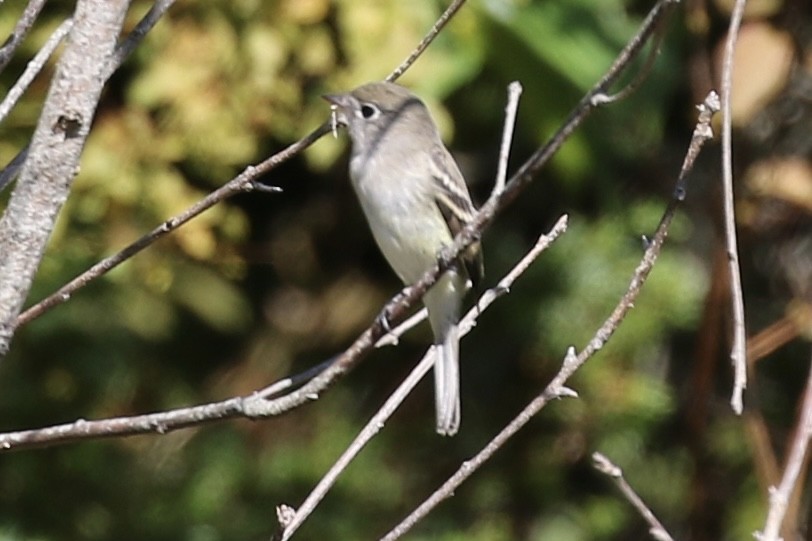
[24,24]
[426,41]
[246,181]
[780,496]
[738,352]
[405,388]
[390,339]
[152,423]
[514,92]
[572,361]
[608,468]
[470,466]
[33,68]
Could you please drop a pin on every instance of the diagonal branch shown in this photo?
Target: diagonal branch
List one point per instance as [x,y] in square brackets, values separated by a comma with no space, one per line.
[293,520]
[167,421]
[123,50]
[446,16]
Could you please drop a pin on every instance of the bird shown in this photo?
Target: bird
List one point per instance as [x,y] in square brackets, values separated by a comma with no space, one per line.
[415,200]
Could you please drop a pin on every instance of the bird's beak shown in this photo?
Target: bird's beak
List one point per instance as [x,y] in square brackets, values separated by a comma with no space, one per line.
[339,105]
[339,100]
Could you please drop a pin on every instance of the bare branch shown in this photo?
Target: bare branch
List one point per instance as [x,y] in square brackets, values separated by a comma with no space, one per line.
[608,468]
[34,67]
[157,423]
[58,141]
[245,181]
[738,352]
[572,362]
[780,496]
[391,338]
[469,467]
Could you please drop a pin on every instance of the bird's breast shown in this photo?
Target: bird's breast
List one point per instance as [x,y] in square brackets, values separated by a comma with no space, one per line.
[403,216]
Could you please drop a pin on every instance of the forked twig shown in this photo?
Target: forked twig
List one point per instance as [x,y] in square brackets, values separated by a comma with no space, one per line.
[398,307]
[183,417]
[256,405]
[645,70]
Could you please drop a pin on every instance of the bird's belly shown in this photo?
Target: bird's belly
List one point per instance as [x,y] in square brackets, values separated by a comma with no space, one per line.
[409,232]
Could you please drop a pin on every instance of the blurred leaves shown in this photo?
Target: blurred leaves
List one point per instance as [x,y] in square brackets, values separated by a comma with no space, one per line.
[263,286]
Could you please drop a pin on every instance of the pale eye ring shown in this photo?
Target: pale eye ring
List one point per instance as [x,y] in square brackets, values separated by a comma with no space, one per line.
[368,111]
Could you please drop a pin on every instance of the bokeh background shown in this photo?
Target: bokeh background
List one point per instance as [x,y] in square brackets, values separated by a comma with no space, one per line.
[263,285]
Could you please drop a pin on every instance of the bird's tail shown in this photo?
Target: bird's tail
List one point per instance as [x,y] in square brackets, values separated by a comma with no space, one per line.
[447,382]
[443,301]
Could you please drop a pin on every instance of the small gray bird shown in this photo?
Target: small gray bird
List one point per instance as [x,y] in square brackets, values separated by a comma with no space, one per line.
[415,200]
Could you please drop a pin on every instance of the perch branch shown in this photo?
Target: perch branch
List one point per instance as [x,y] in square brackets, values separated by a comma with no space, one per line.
[405,388]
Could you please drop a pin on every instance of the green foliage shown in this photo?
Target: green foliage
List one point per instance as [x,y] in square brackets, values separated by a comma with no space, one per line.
[266,285]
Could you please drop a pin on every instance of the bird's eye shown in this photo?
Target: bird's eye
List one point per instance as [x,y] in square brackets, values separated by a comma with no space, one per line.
[369,111]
